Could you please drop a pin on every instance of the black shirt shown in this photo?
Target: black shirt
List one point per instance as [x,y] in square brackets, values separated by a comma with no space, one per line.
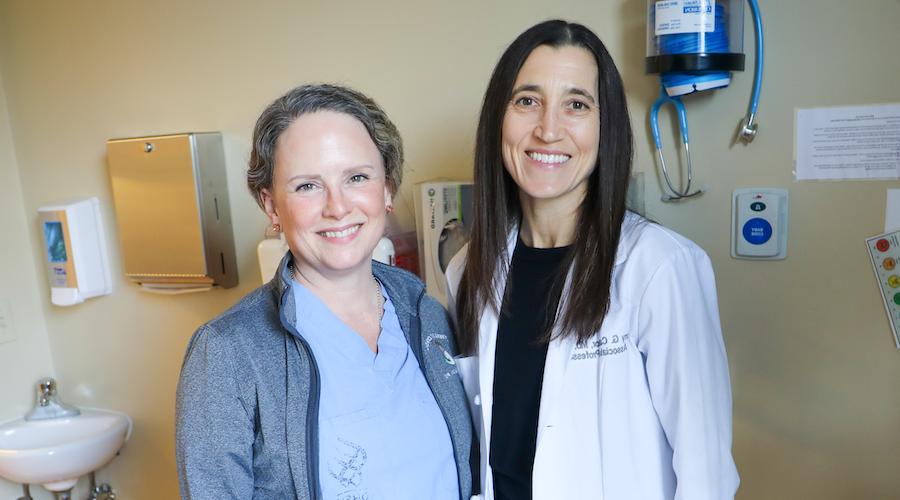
[519,368]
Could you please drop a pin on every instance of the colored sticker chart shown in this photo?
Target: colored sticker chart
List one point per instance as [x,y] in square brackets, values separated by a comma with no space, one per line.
[884,251]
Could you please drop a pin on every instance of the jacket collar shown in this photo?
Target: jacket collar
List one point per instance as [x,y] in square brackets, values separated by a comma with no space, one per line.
[404,288]
[282,279]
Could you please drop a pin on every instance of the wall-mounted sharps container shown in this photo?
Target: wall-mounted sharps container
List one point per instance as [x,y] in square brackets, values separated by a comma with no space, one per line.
[694,44]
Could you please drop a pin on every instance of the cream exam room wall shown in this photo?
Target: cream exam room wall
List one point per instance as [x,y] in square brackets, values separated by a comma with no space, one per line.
[817,413]
[26,358]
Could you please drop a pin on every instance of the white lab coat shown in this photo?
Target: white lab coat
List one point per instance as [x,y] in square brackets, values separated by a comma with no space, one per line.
[643,411]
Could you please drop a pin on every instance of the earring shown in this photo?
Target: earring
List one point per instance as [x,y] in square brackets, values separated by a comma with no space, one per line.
[276,227]
[389,209]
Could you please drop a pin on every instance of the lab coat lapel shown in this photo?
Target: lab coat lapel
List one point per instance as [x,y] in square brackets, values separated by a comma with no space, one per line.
[559,352]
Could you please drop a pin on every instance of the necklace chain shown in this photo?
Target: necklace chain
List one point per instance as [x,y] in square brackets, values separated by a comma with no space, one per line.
[380,300]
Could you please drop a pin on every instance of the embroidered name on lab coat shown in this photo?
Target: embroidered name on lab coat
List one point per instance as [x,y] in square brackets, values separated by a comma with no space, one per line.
[606,345]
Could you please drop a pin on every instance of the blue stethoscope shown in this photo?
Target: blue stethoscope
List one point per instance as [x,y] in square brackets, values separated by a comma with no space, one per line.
[674,193]
[746,131]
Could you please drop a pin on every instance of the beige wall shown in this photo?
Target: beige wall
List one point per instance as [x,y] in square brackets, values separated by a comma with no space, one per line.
[817,411]
[27,358]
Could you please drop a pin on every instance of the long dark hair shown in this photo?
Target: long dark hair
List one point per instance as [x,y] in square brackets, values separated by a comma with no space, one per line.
[496,203]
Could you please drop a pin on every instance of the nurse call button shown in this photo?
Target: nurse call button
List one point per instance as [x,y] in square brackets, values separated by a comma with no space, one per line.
[883,245]
[757,231]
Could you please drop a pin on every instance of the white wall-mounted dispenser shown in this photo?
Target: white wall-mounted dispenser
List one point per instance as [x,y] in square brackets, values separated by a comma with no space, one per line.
[384,252]
[172,209]
[269,252]
[443,220]
[75,251]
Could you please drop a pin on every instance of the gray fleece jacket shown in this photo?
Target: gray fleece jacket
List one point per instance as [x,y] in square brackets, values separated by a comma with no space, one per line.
[248,397]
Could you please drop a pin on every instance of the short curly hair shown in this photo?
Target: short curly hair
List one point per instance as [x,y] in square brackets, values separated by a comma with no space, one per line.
[279,115]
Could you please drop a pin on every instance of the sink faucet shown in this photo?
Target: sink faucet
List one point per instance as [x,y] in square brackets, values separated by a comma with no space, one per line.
[49,405]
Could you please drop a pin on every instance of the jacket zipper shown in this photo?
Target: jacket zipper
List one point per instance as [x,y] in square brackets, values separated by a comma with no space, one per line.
[312,425]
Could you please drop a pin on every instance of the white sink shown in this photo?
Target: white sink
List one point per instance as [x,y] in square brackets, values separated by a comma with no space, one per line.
[56,452]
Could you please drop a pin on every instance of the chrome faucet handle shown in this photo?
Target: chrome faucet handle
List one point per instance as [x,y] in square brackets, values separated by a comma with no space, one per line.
[46,390]
[48,404]
[47,386]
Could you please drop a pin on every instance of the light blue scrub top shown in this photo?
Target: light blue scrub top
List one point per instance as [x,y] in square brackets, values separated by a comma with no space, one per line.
[381,433]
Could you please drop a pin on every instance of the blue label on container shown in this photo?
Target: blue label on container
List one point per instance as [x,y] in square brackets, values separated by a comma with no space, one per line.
[696,6]
[757,231]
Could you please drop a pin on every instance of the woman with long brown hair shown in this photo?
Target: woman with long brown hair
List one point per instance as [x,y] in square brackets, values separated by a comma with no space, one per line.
[598,368]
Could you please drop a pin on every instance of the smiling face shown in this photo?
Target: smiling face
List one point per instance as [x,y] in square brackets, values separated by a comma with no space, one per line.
[329,194]
[551,129]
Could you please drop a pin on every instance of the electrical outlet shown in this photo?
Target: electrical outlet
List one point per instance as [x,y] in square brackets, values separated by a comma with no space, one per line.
[7,332]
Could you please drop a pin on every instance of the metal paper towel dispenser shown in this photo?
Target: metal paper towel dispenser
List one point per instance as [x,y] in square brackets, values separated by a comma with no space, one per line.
[174,221]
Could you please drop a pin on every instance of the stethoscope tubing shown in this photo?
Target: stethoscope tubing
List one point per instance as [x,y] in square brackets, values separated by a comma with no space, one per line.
[664,97]
[748,128]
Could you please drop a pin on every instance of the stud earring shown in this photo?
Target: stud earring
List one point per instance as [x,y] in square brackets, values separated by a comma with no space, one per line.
[276,227]
[389,209]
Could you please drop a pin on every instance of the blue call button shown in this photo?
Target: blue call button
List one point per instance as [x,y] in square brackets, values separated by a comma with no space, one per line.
[757,231]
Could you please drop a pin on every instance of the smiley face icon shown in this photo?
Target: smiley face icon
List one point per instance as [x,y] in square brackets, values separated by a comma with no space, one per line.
[894,281]
[889,264]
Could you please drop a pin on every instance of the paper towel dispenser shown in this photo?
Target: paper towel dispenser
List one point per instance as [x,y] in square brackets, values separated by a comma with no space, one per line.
[172,210]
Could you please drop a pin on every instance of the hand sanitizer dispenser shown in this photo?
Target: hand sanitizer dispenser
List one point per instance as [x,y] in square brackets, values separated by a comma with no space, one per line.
[77,265]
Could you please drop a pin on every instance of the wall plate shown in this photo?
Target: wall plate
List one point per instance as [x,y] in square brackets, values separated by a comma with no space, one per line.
[759,223]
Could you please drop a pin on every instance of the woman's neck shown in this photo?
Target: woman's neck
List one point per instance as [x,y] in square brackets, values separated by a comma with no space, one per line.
[547,223]
[334,287]
[353,296]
